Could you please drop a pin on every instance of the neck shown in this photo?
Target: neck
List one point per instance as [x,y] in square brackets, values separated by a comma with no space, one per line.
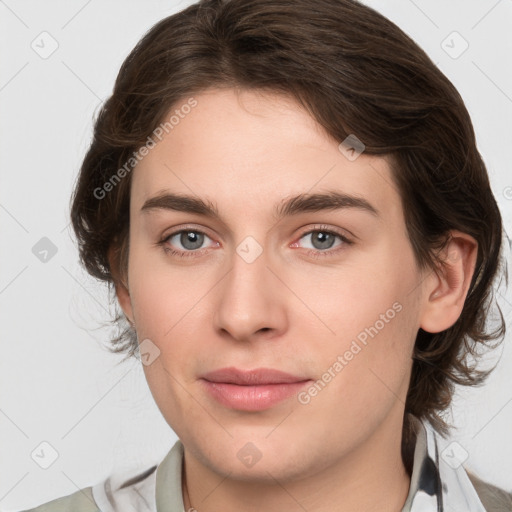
[371,478]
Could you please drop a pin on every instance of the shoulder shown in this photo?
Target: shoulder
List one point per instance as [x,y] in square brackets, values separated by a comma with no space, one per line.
[493,498]
[79,501]
[117,492]
[106,495]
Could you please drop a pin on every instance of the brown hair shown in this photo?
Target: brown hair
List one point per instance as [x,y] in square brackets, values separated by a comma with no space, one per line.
[356,73]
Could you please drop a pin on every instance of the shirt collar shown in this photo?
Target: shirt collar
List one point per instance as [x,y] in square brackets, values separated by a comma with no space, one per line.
[435,485]
[168,491]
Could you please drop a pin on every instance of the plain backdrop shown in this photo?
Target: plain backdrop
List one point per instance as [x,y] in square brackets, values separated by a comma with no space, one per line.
[58,384]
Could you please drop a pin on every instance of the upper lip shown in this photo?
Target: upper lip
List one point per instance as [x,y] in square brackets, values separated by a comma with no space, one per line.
[253,377]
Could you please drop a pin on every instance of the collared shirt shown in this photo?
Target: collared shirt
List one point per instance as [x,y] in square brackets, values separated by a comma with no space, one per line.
[436,486]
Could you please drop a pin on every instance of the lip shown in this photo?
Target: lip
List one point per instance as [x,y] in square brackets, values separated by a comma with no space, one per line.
[252,390]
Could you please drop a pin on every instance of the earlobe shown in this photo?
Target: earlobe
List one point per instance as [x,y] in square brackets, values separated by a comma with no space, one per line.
[447,289]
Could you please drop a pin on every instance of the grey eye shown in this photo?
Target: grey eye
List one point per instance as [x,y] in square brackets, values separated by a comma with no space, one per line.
[189,240]
[321,239]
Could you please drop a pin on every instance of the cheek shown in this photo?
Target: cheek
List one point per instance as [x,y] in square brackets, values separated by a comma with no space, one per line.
[369,290]
[170,306]
[162,295]
[369,318]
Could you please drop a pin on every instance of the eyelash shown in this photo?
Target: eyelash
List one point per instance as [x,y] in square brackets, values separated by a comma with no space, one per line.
[315,253]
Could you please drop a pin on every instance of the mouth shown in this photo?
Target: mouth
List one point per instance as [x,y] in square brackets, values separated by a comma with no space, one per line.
[253,390]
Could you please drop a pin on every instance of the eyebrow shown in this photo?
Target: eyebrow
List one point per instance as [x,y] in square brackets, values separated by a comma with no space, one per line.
[331,200]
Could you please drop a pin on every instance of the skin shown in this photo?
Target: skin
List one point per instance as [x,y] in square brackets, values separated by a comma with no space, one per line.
[247,151]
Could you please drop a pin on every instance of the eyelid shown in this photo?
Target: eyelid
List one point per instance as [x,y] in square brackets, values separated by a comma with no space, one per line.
[187,227]
[331,251]
[163,241]
[328,229]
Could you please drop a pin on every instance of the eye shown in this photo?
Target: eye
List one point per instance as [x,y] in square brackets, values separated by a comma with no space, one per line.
[188,242]
[321,241]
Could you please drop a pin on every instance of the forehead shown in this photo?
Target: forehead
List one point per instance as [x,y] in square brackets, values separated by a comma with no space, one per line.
[249,150]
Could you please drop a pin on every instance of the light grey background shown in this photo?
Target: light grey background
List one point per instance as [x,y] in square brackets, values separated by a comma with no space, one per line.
[57,383]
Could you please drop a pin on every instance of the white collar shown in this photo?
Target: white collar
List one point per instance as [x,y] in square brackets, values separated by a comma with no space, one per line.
[435,485]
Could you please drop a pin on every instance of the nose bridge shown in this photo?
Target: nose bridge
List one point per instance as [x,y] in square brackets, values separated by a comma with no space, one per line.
[247,300]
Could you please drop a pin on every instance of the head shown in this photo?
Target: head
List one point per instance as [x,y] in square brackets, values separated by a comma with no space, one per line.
[228,136]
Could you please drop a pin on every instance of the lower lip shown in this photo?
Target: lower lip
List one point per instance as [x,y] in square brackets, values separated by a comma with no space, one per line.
[252,398]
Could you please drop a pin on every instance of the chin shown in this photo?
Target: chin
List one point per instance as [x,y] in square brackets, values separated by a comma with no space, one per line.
[254,458]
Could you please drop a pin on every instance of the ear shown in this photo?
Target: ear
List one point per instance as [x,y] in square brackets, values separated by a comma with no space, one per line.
[447,288]
[122,290]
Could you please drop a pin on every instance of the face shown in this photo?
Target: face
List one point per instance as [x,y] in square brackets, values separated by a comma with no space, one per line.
[326,291]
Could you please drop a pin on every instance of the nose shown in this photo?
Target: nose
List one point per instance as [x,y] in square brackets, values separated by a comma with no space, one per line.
[250,301]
